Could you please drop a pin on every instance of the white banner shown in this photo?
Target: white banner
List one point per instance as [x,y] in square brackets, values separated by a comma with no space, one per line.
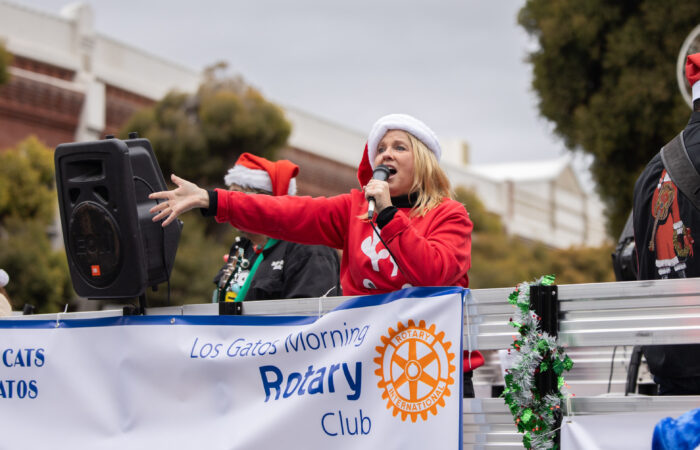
[621,431]
[381,371]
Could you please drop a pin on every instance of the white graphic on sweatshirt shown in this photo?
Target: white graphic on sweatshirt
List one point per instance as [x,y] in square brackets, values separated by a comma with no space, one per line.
[277,265]
[368,284]
[369,248]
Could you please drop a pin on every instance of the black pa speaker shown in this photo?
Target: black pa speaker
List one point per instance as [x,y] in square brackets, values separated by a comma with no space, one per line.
[113,247]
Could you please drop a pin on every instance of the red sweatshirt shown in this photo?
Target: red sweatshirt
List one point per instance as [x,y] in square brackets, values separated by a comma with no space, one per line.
[433,250]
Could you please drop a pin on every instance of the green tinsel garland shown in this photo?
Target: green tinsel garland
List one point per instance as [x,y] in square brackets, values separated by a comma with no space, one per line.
[536,351]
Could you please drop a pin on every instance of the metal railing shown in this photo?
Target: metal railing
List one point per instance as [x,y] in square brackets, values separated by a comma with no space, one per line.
[593,319]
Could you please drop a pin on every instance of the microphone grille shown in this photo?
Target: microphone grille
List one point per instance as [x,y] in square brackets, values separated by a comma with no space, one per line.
[381,172]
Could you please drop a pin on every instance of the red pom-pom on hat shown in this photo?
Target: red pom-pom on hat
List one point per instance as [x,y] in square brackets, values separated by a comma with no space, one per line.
[692,73]
[472,360]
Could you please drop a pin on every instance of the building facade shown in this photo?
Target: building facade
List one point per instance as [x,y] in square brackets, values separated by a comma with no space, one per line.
[540,201]
[70,83]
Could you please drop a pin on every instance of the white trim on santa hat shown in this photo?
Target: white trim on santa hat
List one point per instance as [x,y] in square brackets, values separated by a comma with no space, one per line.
[696,90]
[254,179]
[402,122]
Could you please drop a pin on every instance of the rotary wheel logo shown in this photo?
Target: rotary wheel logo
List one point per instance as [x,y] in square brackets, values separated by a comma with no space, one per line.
[415,370]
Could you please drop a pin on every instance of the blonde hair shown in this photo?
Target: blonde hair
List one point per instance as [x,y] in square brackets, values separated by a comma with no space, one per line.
[429,180]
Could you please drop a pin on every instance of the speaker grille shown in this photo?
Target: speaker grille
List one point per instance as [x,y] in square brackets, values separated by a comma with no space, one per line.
[94,244]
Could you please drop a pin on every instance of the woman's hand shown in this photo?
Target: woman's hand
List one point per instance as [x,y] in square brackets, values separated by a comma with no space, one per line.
[185,197]
[380,191]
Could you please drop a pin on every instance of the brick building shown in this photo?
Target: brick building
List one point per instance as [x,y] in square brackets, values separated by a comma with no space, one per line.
[70,83]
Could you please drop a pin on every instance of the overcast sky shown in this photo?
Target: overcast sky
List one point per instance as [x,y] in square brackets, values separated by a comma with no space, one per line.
[459,65]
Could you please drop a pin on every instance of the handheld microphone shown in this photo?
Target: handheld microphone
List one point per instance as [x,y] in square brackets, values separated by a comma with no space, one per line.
[381,172]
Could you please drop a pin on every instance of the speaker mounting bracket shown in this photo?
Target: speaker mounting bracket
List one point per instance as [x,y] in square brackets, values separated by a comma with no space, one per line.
[133,310]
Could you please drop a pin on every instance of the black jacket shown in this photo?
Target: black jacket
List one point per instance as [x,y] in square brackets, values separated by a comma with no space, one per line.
[290,270]
[643,220]
[670,361]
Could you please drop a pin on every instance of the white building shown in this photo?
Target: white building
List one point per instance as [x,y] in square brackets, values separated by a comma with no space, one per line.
[538,200]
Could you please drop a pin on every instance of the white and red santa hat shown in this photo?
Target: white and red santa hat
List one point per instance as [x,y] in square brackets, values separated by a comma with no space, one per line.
[402,122]
[692,73]
[255,172]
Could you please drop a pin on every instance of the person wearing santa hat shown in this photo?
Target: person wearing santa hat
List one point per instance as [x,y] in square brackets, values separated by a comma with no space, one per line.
[5,307]
[666,224]
[418,236]
[261,268]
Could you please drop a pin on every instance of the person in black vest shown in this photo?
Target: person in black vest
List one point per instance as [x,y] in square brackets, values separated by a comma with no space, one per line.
[666,224]
[261,268]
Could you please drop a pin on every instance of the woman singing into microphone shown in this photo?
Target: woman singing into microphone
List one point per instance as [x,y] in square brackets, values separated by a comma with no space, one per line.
[424,229]
[425,234]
